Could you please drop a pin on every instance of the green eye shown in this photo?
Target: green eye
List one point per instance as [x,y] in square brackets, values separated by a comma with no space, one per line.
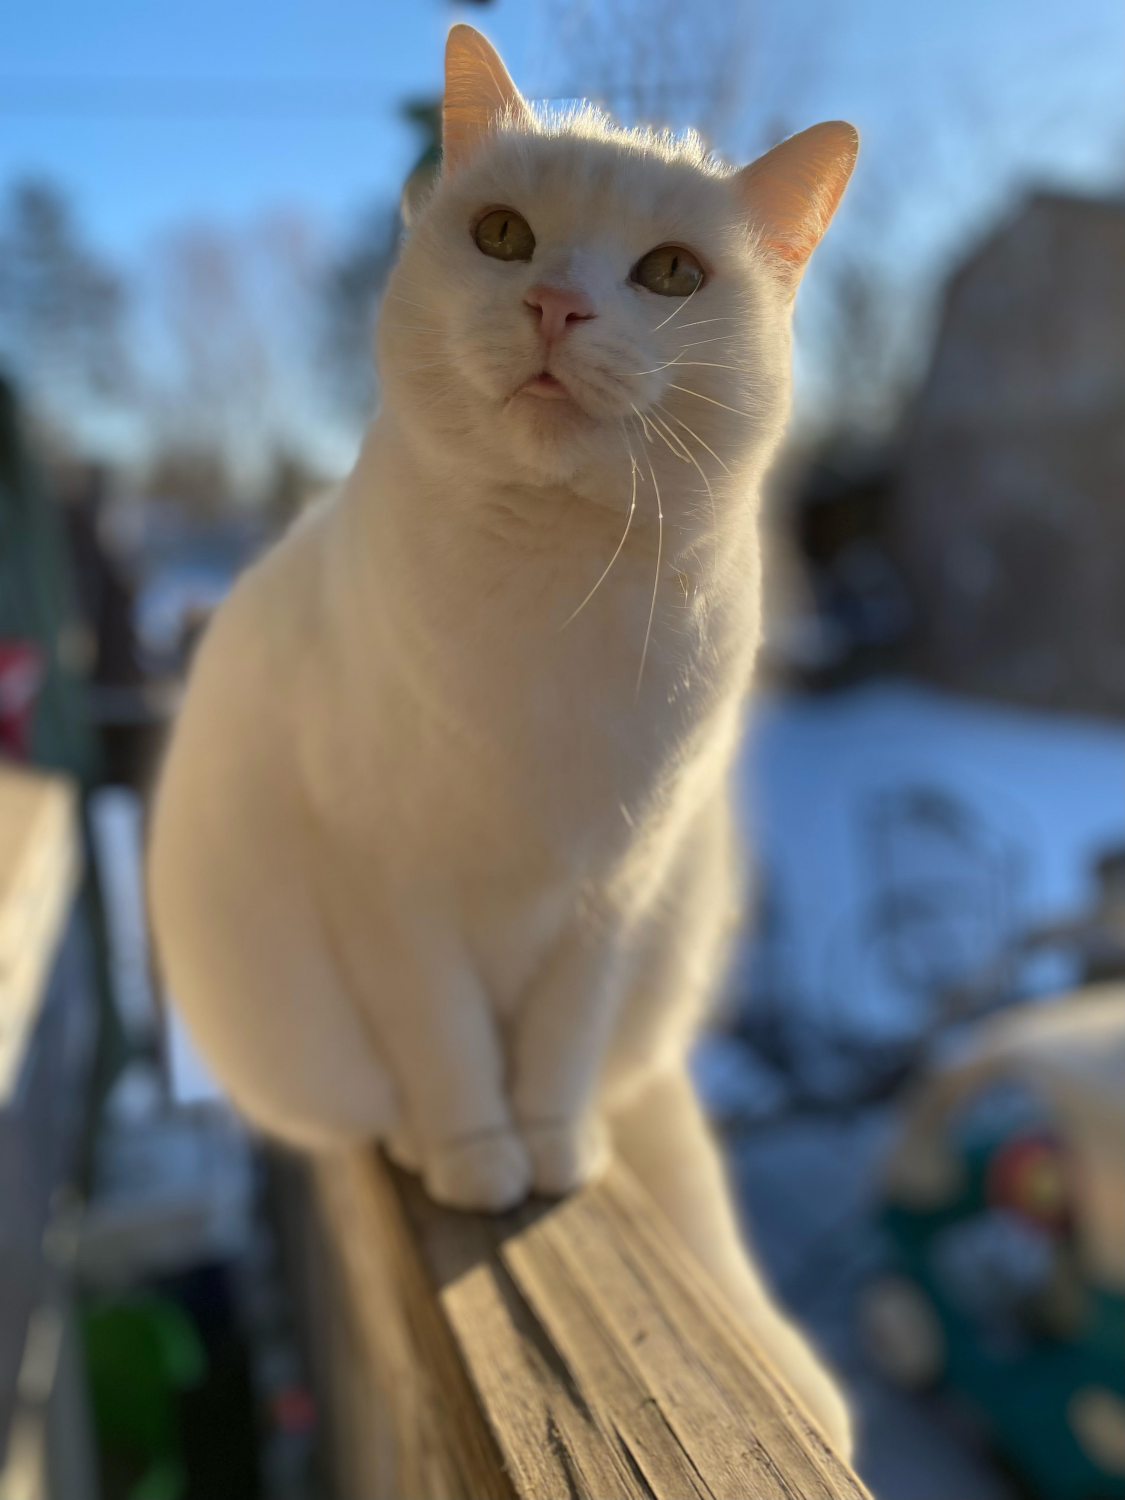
[669,270]
[505,235]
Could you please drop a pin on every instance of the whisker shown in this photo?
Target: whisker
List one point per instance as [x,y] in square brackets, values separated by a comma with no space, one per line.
[662,438]
[710,495]
[655,581]
[694,344]
[677,310]
[700,322]
[443,391]
[691,433]
[644,424]
[412,328]
[621,543]
[396,297]
[710,364]
[689,364]
[718,338]
[688,392]
[656,368]
[681,449]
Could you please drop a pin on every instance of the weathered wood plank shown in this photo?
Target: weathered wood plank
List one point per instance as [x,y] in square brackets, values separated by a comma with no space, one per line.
[731,1380]
[551,1440]
[445,1450]
[566,1351]
[39,862]
[47,1038]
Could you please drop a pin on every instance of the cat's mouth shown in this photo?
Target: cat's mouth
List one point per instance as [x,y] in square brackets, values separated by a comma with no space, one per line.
[556,405]
[546,386]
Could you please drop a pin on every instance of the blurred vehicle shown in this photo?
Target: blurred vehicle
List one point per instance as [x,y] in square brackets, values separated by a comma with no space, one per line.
[1004,1207]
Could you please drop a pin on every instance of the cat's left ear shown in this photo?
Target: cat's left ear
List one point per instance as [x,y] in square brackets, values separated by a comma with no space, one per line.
[478,92]
[791,193]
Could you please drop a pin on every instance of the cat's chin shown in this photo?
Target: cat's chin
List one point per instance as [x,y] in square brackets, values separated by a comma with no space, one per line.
[555,439]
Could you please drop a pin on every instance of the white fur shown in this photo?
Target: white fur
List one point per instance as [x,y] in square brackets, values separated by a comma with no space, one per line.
[429,863]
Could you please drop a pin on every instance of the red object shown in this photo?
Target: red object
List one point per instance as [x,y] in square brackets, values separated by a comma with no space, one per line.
[1029,1176]
[21,675]
[294,1409]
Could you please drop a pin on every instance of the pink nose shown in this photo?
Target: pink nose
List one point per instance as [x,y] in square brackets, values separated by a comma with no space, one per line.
[558,307]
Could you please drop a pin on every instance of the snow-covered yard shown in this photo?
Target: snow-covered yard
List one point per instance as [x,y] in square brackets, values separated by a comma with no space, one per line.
[894,788]
[900,840]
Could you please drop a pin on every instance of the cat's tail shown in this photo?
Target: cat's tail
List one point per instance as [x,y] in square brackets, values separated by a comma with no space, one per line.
[663,1137]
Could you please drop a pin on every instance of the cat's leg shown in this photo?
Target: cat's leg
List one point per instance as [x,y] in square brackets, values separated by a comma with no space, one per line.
[680,946]
[558,1043]
[324,1019]
[614,994]
[662,1135]
[247,962]
[410,971]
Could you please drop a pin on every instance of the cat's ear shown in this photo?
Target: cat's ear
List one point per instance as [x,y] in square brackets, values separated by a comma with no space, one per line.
[791,193]
[478,91]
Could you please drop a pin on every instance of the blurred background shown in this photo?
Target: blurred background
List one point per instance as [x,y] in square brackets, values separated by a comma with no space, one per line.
[198,209]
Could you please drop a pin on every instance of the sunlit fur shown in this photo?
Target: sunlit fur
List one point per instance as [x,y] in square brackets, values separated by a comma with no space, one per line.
[442,848]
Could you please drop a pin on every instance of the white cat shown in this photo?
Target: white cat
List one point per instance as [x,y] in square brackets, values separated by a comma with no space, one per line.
[442,851]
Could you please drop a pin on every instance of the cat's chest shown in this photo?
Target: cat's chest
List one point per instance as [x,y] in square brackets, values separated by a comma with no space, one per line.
[512,930]
[584,702]
[605,661]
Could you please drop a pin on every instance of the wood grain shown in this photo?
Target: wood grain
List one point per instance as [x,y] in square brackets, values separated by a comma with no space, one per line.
[566,1351]
[39,862]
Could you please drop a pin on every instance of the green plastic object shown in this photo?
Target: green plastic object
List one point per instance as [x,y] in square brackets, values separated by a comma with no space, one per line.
[140,1353]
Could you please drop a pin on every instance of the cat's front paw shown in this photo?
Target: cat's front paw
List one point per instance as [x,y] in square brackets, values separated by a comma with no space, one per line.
[490,1172]
[565,1154]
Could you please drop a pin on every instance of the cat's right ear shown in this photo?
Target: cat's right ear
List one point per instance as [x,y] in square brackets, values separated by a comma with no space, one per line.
[478,92]
[791,193]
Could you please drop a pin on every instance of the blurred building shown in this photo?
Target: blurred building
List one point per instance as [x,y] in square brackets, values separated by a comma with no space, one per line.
[1009,508]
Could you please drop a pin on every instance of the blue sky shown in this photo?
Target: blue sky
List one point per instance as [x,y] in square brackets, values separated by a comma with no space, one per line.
[1045,78]
[153,114]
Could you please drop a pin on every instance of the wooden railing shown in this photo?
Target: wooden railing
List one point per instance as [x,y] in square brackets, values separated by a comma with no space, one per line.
[565,1350]
[38,871]
[47,1032]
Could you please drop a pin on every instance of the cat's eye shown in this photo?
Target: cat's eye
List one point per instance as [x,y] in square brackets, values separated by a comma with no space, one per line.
[669,270]
[505,235]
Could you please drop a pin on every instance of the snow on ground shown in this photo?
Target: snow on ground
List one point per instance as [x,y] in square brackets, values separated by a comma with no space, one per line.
[899,835]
